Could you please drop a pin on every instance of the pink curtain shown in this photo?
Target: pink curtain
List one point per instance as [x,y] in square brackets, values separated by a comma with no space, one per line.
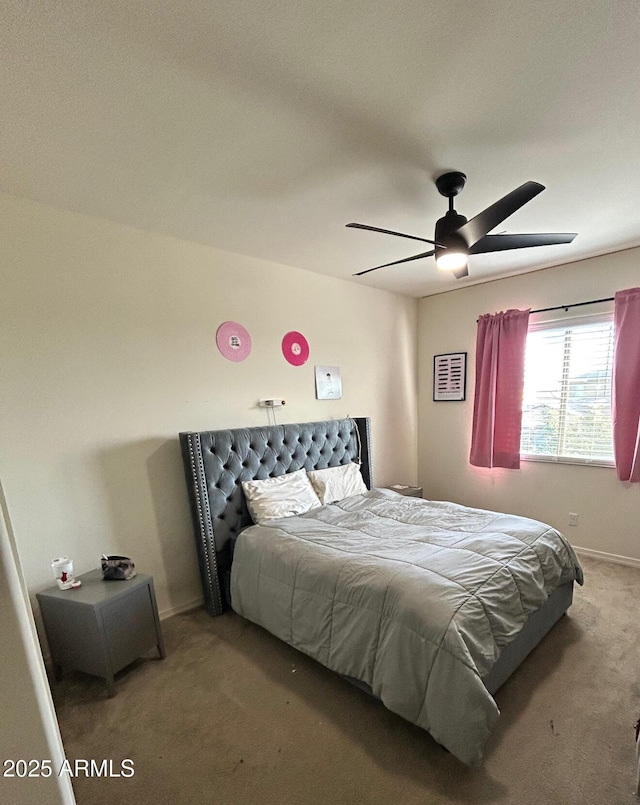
[497,409]
[625,390]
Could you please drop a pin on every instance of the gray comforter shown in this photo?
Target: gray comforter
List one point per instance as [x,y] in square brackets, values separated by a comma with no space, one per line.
[415,598]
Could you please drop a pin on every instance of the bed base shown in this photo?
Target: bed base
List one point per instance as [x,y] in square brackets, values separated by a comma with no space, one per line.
[537,626]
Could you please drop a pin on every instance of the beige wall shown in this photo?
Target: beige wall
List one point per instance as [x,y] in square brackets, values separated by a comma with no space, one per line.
[108,352]
[609,511]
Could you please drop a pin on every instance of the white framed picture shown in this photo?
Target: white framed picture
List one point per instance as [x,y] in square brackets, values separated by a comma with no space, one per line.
[328,383]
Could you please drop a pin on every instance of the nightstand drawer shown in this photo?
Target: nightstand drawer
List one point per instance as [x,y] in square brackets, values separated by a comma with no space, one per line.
[129,627]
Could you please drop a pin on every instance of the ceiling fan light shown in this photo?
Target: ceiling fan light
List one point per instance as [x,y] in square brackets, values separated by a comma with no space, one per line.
[451,260]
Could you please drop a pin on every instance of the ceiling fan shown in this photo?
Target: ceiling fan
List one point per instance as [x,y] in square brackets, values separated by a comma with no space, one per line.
[456,238]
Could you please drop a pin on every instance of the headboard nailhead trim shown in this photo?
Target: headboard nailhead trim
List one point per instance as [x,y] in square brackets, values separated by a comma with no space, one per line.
[208,554]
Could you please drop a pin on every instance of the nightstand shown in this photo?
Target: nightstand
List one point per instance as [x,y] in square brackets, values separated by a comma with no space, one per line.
[101,627]
[403,489]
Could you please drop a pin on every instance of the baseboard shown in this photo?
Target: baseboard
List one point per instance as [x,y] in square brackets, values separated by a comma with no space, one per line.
[608,557]
[180,608]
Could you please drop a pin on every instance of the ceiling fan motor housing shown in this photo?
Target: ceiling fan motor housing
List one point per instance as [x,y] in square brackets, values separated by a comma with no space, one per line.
[446,228]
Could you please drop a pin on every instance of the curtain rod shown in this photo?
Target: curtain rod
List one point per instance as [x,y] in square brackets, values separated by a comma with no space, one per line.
[575,304]
[566,307]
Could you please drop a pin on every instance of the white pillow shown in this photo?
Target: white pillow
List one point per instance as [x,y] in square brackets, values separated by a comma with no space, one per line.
[336,483]
[282,496]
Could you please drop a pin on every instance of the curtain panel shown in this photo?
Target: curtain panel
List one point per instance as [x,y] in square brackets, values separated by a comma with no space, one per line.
[625,388]
[497,408]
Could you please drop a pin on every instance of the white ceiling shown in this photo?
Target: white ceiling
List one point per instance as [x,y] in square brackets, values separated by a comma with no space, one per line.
[264,127]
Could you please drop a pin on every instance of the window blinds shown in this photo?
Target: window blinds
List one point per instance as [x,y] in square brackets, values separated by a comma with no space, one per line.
[567,391]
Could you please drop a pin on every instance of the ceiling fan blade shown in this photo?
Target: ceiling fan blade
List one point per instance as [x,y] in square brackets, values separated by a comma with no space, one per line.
[390,232]
[461,272]
[498,243]
[395,262]
[488,219]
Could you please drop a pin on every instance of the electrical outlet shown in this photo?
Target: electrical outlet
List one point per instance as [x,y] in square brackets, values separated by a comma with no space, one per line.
[573,518]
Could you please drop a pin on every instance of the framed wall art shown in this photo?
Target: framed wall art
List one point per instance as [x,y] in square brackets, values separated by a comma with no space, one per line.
[450,377]
[328,383]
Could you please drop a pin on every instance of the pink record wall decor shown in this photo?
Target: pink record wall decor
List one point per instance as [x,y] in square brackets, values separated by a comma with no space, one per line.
[295,348]
[233,341]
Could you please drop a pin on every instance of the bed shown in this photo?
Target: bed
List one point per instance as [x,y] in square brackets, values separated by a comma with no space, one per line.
[428,605]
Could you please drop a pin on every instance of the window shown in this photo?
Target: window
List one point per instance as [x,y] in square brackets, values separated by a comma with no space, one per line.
[566,413]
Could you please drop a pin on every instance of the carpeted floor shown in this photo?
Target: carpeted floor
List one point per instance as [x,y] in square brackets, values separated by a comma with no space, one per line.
[233,716]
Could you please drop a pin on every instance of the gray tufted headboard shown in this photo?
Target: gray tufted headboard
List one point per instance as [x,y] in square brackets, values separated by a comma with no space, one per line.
[216,462]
